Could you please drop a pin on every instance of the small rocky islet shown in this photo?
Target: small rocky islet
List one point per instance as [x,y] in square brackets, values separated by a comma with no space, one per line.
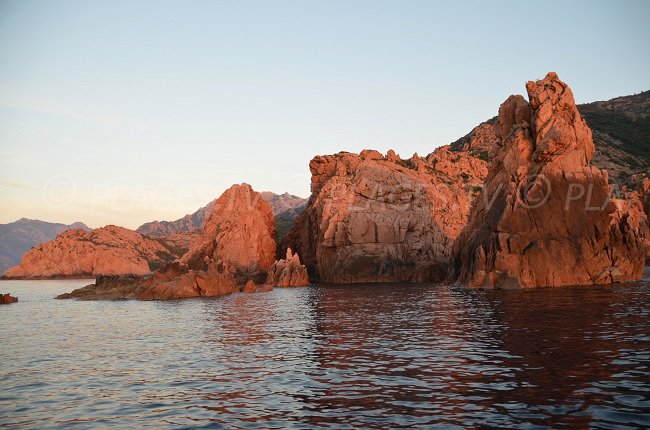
[515,204]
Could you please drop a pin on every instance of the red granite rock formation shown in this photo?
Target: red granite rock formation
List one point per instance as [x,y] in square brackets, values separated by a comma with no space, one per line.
[372,218]
[288,272]
[547,217]
[236,246]
[109,250]
[5,299]
[240,232]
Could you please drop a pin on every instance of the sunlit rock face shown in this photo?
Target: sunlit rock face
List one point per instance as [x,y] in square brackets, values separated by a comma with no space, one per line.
[240,232]
[288,272]
[376,218]
[237,245]
[109,250]
[548,218]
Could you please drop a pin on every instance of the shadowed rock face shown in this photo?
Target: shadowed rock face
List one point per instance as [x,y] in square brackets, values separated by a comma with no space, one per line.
[548,217]
[375,218]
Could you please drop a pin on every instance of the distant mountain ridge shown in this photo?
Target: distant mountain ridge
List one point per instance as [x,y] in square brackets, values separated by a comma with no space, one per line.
[16,238]
[280,203]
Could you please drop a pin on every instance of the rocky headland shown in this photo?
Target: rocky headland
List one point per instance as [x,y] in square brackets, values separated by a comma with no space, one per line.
[549,218]
[78,253]
[16,238]
[235,251]
[524,200]
[376,218]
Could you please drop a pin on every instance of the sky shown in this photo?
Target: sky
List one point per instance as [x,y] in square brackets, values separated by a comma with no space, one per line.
[123,112]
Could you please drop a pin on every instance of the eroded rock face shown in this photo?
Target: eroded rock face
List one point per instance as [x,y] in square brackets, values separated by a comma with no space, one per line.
[372,218]
[236,246]
[288,272]
[548,217]
[240,232]
[109,250]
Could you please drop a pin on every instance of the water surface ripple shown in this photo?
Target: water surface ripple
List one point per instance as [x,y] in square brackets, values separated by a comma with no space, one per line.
[340,357]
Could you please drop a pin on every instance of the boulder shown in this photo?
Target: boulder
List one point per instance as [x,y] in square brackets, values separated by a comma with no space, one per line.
[240,232]
[250,287]
[5,299]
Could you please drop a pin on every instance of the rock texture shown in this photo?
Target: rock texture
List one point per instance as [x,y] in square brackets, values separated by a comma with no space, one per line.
[240,232]
[18,237]
[376,218]
[109,250]
[178,243]
[5,299]
[548,217]
[236,248]
[288,272]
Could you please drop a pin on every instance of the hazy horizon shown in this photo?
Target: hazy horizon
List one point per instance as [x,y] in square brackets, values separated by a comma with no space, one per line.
[128,112]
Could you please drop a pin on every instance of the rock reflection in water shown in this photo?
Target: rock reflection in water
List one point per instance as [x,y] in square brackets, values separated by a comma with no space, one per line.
[330,356]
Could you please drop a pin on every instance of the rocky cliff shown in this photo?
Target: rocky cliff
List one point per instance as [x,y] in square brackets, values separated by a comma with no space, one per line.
[236,246]
[109,250]
[18,237]
[240,232]
[376,218]
[621,134]
[549,217]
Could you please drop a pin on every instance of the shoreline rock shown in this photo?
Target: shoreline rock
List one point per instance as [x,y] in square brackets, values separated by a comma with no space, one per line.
[372,218]
[236,248]
[7,298]
[109,250]
[548,217]
[288,272]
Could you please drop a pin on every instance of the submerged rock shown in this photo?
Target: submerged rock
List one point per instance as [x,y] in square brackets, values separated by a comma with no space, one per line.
[548,218]
[5,299]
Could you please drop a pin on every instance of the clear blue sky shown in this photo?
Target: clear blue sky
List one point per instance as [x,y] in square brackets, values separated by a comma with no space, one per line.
[128,111]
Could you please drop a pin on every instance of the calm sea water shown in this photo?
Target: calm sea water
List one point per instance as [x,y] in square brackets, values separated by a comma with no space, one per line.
[339,357]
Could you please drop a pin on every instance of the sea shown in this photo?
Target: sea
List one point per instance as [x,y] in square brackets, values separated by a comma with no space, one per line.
[329,356]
